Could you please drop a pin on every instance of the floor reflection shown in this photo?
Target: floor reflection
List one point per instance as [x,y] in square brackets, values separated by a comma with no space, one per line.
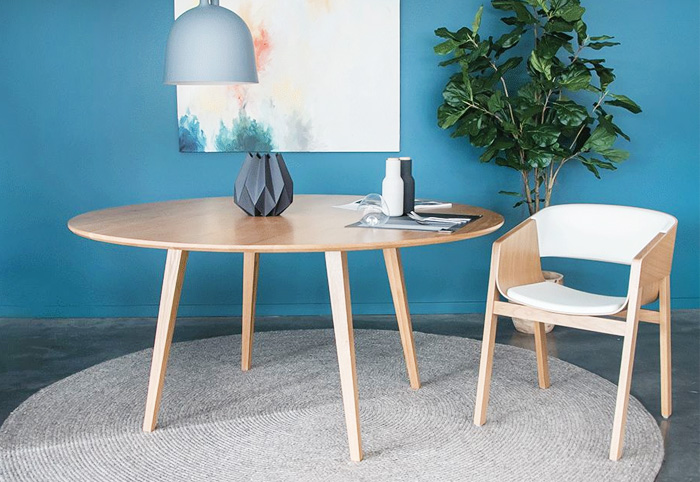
[522,340]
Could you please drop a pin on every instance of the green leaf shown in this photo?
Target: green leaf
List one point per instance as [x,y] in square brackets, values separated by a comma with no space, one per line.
[444,33]
[539,158]
[602,37]
[460,35]
[593,164]
[619,132]
[509,39]
[558,25]
[468,125]
[529,92]
[600,45]
[592,168]
[575,77]
[449,115]
[549,45]
[591,61]
[523,14]
[605,75]
[510,193]
[581,32]
[502,4]
[481,51]
[451,61]
[571,13]
[499,144]
[543,5]
[478,65]
[477,20]
[509,64]
[456,94]
[542,135]
[467,87]
[569,113]
[496,102]
[485,136]
[509,128]
[543,66]
[445,47]
[527,112]
[508,163]
[624,102]
[602,137]
[614,155]
[603,164]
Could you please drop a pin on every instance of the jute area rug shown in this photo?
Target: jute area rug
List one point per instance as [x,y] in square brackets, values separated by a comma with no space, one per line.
[283,420]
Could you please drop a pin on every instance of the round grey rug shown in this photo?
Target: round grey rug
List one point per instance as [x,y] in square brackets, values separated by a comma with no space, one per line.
[283,420]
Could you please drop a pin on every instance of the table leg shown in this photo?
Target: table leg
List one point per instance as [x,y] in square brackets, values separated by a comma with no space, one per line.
[175,264]
[394,269]
[339,287]
[250,288]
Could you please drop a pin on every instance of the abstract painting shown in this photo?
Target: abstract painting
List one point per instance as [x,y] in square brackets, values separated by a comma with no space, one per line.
[329,81]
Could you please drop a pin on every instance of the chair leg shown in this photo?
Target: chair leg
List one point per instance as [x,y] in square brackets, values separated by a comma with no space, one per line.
[624,384]
[486,364]
[665,345]
[541,350]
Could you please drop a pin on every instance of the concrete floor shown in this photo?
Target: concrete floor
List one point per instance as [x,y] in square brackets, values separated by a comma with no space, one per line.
[37,352]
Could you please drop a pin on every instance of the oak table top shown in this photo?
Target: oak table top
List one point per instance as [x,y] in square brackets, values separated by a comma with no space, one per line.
[310,224]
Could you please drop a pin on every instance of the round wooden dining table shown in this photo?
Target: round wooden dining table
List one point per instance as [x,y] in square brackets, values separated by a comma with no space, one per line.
[310,224]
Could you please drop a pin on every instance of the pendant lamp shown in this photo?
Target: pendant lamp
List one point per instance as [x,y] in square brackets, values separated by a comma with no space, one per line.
[210,45]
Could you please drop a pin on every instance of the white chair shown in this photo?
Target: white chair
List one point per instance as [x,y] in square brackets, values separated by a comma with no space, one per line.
[640,238]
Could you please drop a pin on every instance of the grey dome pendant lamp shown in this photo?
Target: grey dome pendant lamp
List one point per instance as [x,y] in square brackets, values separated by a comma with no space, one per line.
[210,45]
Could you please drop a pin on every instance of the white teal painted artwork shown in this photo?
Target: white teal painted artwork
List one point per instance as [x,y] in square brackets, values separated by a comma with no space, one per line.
[329,81]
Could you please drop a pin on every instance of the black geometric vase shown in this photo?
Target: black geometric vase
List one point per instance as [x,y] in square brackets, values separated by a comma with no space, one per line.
[264,186]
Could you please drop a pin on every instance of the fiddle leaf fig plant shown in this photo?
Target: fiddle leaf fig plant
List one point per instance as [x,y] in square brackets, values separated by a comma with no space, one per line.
[560,111]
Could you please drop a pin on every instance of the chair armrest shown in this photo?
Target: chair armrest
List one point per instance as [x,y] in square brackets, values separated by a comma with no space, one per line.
[517,257]
[652,265]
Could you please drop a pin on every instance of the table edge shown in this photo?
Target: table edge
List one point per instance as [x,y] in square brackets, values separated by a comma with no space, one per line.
[307,248]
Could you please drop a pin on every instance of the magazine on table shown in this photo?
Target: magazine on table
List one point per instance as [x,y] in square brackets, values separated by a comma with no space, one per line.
[446,223]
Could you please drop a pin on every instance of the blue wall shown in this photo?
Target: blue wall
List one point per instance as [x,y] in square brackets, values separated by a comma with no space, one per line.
[85,123]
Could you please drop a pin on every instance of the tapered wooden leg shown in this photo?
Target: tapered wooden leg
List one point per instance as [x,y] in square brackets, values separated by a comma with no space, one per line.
[625,382]
[175,264]
[487,347]
[394,269]
[541,350]
[250,289]
[339,287]
[665,345]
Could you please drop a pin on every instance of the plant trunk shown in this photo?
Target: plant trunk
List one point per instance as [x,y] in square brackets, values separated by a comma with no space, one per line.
[527,191]
[550,186]
[537,190]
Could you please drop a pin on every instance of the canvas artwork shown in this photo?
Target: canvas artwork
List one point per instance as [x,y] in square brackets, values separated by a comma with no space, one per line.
[329,81]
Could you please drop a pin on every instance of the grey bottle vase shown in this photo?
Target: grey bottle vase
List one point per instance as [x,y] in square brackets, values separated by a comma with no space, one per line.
[264,186]
[409,185]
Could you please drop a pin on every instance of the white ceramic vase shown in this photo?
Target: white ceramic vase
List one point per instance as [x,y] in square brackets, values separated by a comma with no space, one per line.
[527,326]
[392,187]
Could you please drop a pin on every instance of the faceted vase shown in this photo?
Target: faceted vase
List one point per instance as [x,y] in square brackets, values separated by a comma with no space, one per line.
[264,186]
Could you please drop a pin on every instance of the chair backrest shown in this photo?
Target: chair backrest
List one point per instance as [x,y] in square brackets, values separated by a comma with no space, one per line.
[598,232]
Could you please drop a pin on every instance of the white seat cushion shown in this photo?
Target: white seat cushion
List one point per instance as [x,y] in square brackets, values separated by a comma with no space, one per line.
[560,299]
